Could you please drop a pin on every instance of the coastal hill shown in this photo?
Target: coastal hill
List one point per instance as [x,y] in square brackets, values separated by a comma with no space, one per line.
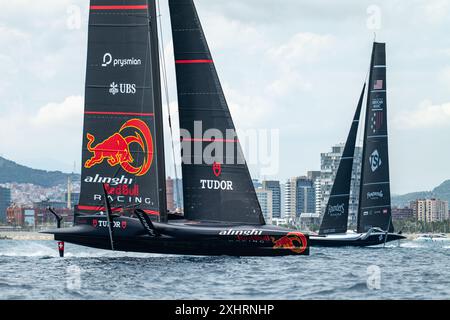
[440,192]
[11,172]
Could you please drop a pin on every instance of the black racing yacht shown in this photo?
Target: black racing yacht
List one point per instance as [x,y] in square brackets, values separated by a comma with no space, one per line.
[122,203]
[374,221]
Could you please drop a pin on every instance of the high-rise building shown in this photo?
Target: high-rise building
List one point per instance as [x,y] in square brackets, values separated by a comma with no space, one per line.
[283,199]
[170,194]
[430,210]
[290,199]
[299,197]
[178,194]
[265,201]
[174,194]
[73,200]
[329,164]
[305,196]
[5,202]
[313,175]
[274,186]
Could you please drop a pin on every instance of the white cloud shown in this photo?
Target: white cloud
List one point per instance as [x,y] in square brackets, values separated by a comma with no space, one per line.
[248,110]
[53,133]
[427,115]
[291,57]
[435,11]
[223,33]
[444,76]
[59,113]
[304,47]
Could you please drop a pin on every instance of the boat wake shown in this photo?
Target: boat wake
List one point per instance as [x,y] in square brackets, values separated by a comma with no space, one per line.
[411,244]
[26,249]
[48,249]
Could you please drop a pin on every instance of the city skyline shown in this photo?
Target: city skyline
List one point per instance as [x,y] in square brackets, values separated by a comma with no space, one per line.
[280,69]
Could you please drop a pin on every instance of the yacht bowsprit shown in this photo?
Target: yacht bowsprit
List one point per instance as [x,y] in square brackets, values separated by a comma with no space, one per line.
[374,210]
[123,194]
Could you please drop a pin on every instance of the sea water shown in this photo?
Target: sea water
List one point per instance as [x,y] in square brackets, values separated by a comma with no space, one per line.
[409,270]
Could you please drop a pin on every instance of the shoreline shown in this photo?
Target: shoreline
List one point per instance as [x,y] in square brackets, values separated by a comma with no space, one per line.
[24,235]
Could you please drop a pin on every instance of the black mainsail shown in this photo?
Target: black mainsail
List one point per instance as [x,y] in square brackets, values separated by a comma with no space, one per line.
[336,214]
[122,137]
[216,181]
[375,194]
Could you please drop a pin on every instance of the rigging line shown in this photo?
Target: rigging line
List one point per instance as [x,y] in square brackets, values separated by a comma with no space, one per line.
[166,92]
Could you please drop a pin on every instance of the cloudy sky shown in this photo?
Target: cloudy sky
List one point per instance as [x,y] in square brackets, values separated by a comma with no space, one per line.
[295,66]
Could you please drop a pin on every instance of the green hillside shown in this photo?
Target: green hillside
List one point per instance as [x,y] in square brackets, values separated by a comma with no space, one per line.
[13,172]
[441,192]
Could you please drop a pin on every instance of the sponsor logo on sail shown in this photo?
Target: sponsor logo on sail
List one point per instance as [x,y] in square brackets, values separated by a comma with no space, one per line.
[122,190]
[216,184]
[375,160]
[123,199]
[217,169]
[122,88]
[294,241]
[336,210]
[117,62]
[109,180]
[377,103]
[375,195]
[115,150]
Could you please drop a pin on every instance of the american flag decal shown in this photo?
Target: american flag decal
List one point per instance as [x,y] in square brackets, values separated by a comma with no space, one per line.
[376,121]
[378,85]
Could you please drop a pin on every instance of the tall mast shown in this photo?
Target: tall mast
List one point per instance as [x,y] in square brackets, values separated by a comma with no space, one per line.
[161,165]
[375,195]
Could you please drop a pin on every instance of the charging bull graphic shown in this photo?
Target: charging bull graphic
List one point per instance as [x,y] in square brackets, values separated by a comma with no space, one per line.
[116,148]
[295,241]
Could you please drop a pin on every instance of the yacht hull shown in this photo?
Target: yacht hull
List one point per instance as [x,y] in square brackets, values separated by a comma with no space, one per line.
[186,238]
[354,240]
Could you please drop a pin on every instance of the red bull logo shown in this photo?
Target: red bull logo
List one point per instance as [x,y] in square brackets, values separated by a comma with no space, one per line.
[116,149]
[294,241]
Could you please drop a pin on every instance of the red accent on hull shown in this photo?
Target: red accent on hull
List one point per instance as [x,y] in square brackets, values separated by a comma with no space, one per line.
[193,61]
[209,140]
[94,208]
[131,7]
[135,114]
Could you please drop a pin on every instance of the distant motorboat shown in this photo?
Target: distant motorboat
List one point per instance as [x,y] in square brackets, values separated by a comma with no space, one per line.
[431,237]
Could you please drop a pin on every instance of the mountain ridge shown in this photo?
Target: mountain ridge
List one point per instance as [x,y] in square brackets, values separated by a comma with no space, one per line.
[12,172]
[441,192]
